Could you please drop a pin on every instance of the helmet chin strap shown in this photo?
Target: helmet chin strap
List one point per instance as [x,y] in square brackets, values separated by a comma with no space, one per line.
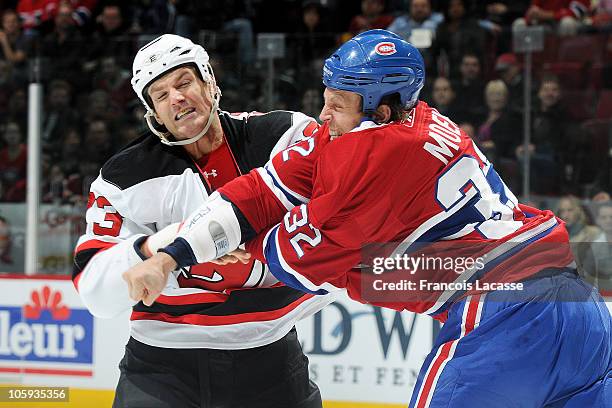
[150,117]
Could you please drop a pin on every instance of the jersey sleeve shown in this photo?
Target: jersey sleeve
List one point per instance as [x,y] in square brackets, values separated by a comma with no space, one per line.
[318,242]
[108,248]
[267,193]
[301,127]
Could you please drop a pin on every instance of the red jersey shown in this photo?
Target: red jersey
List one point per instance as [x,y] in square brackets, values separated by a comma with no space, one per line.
[564,8]
[420,183]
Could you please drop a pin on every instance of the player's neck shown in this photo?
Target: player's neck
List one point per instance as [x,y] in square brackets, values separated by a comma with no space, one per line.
[210,142]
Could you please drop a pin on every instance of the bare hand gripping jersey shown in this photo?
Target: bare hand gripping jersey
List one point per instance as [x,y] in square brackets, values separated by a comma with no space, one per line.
[148,186]
[411,183]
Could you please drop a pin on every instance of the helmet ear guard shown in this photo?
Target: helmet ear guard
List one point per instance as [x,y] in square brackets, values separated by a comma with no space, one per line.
[374,64]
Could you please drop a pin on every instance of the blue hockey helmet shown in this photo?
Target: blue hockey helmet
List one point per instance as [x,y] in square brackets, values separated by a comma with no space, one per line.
[374,64]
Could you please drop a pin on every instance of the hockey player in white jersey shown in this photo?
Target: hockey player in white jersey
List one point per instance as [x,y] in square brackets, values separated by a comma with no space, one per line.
[202,343]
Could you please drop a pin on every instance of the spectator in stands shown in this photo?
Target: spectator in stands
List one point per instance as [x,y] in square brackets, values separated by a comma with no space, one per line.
[602,16]
[421,19]
[372,16]
[81,10]
[443,98]
[71,151]
[14,45]
[456,36]
[502,126]
[564,16]
[158,17]
[36,16]
[115,80]
[497,17]
[54,190]
[469,88]
[64,48]
[312,40]
[230,23]
[420,16]
[110,38]
[13,163]
[555,147]
[98,142]
[311,102]
[509,70]
[17,109]
[5,244]
[599,270]
[59,115]
[601,196]
[581,233]
[501,12]
[99,106]
[128,132]
[570,210]
[7,86]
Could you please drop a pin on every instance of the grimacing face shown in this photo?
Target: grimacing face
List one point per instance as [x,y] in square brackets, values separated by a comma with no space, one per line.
[342,110]
[182,102]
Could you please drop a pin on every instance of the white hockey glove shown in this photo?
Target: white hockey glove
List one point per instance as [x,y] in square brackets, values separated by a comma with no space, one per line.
[160,239]
[208,233]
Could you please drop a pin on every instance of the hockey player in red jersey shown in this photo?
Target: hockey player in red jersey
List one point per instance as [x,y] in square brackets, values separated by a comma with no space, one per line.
[386,168]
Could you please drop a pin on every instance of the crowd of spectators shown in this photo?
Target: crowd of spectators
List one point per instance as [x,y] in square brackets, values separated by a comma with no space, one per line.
[81,50]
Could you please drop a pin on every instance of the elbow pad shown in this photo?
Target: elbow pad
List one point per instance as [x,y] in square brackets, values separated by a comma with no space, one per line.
[210,232]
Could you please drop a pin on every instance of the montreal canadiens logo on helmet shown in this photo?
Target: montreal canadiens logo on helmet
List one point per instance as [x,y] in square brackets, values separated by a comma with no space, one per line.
[385,48]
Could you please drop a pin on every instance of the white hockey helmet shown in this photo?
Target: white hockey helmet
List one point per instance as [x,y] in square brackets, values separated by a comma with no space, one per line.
[160,56]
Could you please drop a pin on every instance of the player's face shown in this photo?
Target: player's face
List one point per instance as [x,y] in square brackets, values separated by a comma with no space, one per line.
[182,102]
[342,111]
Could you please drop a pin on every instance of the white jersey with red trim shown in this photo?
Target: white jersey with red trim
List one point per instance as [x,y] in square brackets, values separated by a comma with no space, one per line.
[146,187]
[421,185]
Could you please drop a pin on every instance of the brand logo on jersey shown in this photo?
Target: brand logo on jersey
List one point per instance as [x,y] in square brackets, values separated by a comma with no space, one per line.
[46,331]
[213,173]
[385,48]
[409,121]
[188,274]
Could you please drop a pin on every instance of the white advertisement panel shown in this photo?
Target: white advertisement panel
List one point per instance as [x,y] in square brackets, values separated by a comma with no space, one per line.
[367,354]
[358,353]
[47,337]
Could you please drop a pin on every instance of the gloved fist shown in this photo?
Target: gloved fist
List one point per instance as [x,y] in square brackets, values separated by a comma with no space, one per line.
[210,232]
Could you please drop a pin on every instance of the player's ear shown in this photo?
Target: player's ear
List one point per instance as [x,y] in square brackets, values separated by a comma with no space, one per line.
[157,118]
[382,114]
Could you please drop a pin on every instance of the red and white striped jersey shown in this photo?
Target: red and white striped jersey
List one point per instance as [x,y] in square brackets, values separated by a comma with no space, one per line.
[146,187]
[418,187]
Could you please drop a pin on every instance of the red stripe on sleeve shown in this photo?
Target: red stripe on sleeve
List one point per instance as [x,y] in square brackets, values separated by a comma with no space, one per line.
[94,243]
